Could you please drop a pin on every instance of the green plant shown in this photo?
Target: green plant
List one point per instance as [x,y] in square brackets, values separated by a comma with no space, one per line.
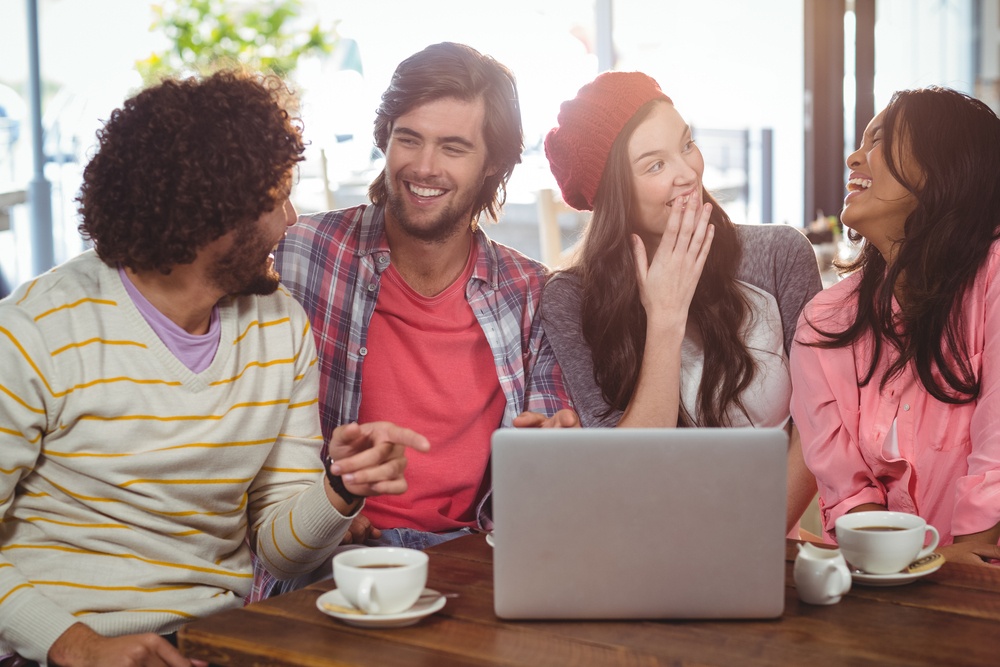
[206,33]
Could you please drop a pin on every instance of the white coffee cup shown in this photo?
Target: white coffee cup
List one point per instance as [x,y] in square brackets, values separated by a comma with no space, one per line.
[381,580]
[884,542]
[821,575]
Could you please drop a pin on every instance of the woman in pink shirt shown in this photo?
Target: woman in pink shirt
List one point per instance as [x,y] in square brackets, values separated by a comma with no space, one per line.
[895,382]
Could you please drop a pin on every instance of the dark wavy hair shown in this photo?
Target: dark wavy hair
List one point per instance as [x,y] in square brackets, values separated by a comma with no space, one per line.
[954,140]
[184,162]
[450,70]
[614,321]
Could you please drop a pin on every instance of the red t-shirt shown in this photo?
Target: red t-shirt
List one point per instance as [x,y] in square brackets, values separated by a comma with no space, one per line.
[430,368]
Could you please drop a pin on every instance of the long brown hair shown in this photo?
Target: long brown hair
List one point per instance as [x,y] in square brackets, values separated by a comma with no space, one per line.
[955,141]
[614,321]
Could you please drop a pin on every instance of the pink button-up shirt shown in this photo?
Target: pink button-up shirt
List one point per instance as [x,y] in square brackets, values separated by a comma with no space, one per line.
[947,468]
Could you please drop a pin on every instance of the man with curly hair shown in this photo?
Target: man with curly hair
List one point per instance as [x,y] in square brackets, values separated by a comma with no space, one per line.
[419,317]
[158,399]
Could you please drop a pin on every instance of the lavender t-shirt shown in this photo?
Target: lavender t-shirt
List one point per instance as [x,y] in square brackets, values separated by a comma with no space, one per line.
[194,351]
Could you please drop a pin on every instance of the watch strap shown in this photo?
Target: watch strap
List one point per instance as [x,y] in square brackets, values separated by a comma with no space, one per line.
[337,483]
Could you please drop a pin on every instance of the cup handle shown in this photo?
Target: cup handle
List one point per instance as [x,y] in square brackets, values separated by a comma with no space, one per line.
[843,579]
[929,549]
[366,600]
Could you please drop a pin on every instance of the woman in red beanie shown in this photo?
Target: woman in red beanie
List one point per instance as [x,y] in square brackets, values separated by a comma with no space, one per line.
[651,326]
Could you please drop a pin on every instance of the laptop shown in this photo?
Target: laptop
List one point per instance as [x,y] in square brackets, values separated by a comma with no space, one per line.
[606,523]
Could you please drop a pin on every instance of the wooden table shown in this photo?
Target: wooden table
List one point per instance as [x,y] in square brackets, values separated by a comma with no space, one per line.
[947,618]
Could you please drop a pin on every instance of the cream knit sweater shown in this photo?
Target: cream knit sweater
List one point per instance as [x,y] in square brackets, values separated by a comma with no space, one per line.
[129,484]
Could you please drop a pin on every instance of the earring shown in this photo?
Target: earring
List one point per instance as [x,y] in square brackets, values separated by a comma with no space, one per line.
[474,225]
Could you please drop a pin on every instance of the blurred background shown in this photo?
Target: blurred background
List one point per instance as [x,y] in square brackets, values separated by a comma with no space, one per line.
[774,90]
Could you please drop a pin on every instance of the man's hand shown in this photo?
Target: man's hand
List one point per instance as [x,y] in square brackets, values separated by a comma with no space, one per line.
[80,646]
[361,531]
[371,458]
[565,418]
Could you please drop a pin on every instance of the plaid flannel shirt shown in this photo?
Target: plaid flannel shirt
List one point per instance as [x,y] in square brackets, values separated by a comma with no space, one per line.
[332,263]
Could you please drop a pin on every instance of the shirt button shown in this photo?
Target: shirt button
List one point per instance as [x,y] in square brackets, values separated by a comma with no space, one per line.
[906,407]
[371,288]
[363,351]
[382,259]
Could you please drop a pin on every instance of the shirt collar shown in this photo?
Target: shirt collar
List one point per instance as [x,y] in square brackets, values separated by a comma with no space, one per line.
[374,242]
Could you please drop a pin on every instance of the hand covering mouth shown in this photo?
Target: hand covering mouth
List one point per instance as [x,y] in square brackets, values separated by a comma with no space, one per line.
[679,197]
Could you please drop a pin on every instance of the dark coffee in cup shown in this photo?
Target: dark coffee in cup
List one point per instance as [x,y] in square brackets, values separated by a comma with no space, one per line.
[880,528]
[380,566]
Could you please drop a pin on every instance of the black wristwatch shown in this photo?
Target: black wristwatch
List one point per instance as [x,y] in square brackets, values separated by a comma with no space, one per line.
[337,484]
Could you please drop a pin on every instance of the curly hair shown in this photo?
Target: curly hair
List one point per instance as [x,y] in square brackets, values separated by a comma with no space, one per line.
[184,162]
[955,141]
[455,70]
[614,321]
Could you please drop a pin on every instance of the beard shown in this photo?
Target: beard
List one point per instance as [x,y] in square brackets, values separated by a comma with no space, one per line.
[245,270]
[451,221]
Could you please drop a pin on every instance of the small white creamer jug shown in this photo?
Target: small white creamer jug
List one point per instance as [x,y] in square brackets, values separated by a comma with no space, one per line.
[821,575]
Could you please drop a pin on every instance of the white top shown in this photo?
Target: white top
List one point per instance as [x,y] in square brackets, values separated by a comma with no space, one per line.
[767,398]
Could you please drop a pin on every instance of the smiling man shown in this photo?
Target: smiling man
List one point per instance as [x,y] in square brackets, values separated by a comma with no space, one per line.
[419,317]
[158,416]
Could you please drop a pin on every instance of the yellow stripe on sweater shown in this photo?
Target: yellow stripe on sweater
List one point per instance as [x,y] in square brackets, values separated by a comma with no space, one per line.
[102,341]
[27,291]
[90,587]
[24,404]
[74,524]
[18,434]
[252,404]
[101,302]
[14,590]
[174,612]
[274,543]
[60,394]
[97,499]
[291,527]
[255,323]
[189,445]
[252,364]
[292,470]
[185,481]
[150,561]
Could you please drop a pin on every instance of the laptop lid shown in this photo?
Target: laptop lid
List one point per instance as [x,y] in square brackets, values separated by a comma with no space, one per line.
[639,523]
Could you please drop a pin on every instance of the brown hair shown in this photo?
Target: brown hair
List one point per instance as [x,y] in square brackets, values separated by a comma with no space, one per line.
[614,321]
[184,162]
[454,70]
[955,141]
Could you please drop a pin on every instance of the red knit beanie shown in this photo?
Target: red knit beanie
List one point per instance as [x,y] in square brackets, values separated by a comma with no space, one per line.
[589,123]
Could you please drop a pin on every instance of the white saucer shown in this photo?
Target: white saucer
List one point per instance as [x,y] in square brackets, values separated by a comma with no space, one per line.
[897,579]
[489,539]
[429,602]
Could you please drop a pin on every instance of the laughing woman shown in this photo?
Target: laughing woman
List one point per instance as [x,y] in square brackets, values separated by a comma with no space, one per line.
[651,327]
[896,385]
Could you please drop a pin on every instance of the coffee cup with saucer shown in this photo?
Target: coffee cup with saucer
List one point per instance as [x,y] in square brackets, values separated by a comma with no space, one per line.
[883,546]
[380,586]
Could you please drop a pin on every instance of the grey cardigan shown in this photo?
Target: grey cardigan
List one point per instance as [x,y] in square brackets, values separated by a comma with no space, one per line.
[778,259]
